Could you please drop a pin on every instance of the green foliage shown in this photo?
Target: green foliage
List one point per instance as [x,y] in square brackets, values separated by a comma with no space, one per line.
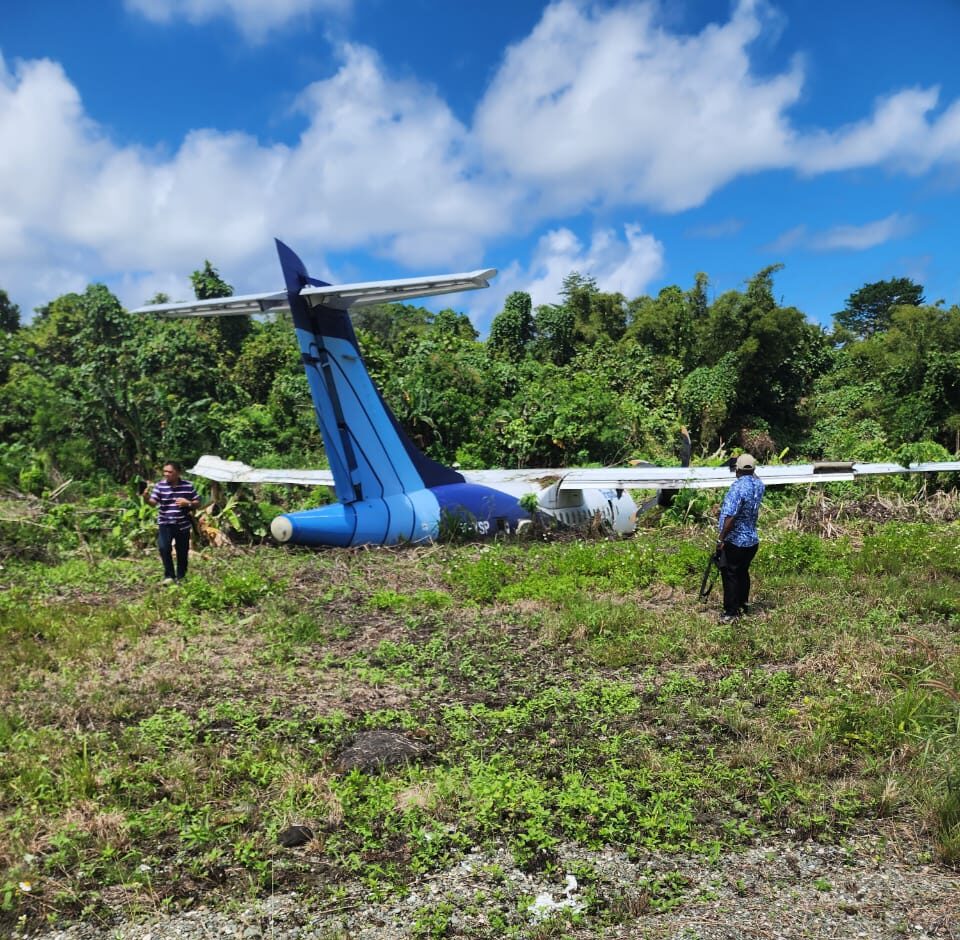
[666,325]
[136,527]
[269,352]
[513,328]
[595,379]
[899,385]
[707,397]
[566,572]
[906,547]
[440,391]
[25,540]
[79,372]
[225,334]
[688,507]
[232,590]
[842,412]
[761,360]
[556,333]
[9,314]
[432,921]
[597,316]
[207,283]
[947,817]
[804,553]
[869,309]
[250,431]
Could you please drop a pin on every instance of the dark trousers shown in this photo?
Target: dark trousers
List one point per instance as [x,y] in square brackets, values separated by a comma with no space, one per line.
[168,537]
[736,577]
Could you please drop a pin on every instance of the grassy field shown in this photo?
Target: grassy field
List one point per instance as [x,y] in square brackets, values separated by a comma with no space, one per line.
[155,741]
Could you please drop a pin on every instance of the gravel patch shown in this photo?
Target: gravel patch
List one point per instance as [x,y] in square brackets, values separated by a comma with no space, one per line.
[870,887]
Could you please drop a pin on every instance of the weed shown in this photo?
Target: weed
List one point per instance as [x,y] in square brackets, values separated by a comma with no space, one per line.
[433,921]
[235,589]
[947,821]
[566,693]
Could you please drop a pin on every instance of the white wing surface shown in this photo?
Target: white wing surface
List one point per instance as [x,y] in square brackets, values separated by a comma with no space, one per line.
[242,305]
[619,478]
[344,296]
[233,471]
[643,478]
[337,296]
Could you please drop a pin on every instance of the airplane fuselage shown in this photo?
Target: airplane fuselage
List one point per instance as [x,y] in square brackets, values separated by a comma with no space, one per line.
[413,516]
[422,515]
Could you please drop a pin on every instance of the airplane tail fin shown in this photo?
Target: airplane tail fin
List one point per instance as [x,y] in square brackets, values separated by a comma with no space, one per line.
[370,454]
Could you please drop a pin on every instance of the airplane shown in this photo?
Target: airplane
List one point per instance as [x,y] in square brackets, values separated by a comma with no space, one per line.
[387,490]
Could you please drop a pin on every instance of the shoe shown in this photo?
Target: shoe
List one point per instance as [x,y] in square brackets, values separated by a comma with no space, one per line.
[168,581]
[728,618]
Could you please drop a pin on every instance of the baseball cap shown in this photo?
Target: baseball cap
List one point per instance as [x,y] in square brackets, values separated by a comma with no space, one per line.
[746,462]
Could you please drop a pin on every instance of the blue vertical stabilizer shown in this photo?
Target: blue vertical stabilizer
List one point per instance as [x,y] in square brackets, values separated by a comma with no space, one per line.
[370,455]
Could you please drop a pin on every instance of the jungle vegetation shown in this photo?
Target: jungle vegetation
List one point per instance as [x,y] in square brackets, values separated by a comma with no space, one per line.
[91,393]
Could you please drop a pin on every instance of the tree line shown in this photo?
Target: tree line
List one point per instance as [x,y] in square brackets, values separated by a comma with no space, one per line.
[90,392]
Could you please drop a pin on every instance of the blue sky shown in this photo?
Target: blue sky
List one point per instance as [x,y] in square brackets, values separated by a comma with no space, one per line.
[636,142]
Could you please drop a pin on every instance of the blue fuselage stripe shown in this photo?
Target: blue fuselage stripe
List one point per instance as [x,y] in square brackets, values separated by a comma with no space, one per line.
[381,436]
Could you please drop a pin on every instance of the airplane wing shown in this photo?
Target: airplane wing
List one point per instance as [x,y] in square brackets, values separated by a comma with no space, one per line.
[241,305]
[233,471]
[543,476]
[344,296]
[620,478]
[643,478]
[337,296]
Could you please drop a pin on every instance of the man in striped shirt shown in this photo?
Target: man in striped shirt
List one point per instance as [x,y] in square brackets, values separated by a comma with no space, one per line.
[175,497]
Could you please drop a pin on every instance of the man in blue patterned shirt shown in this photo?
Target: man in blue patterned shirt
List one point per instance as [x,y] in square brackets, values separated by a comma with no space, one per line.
[738,539]
[175,497]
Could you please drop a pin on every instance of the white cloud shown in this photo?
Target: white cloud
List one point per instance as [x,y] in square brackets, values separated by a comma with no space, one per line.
[387,163]
[861,237]
[896,132]
[599,105]
[382,165]
[844,237]
[625,265]
[607,106]
[254,18]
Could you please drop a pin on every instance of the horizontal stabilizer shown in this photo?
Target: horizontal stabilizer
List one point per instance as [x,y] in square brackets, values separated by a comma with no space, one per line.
[344,296]
[337,296]
[244,305]
[233,471]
